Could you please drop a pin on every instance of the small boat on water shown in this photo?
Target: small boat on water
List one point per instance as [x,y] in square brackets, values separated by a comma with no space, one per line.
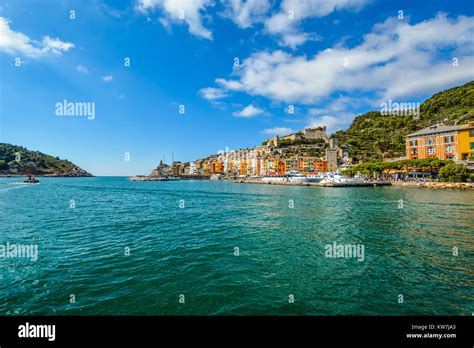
[216,177]
[31,180]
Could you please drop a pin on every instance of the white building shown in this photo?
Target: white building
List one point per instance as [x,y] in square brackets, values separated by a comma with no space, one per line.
[193,168]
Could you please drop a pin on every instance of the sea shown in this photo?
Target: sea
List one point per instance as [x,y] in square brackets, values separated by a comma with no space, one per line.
[110,246]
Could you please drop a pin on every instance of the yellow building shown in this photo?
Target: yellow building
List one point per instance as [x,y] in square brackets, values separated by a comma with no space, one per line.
[243,167]
[466,142]
[442,142]
[205,168]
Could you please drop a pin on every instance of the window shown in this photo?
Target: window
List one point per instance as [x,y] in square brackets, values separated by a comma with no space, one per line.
[471,133]
[431,150]
[471,146]
[413,142]
[449,148]
[449,139]
[414,151]
[429,141]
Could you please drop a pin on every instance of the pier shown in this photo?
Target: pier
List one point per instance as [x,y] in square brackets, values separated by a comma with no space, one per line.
[365,184]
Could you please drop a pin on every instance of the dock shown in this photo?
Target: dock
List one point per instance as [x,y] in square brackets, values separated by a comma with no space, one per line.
[365,184]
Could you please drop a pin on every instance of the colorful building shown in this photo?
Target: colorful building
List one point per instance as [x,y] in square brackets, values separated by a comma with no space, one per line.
[311,165]
[256,164]
[217,167]
[466,142]
[442,142]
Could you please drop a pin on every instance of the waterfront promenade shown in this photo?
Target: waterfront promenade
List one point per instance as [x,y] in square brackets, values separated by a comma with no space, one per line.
[364,184]
[371,183]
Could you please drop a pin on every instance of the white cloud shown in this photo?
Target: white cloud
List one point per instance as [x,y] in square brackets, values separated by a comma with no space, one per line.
[109,10]
[395,60]
[107,78]
[211,93]
[249,111]
[13,42]
[343,104]
[246,13]
[230,84]
[338,113]
[278,130]
[146,5]
[55,45]
[82,69]
[292,12]
[177,11]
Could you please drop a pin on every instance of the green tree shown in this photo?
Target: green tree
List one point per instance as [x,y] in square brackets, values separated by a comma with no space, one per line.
[454,172]
[3,165]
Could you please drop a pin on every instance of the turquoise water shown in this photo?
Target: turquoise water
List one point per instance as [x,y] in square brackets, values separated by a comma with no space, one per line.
[191,250]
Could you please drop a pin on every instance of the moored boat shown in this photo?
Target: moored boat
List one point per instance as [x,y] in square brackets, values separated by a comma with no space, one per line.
[340,179]
[315,177]
[293,177]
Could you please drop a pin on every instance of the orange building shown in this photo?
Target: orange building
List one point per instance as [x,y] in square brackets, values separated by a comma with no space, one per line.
[217,167]
[320,166]
[442,142]
[243,167]
[311,165]
[280,166]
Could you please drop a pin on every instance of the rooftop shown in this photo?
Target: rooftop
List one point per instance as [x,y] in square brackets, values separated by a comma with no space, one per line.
[440,128]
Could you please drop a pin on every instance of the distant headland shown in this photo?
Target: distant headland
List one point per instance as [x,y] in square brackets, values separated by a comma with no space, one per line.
[19,161]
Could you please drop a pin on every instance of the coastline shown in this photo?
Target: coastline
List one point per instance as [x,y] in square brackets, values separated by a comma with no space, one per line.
[46,176]
[367,184]
[158,178]
[414,184]
[436,185]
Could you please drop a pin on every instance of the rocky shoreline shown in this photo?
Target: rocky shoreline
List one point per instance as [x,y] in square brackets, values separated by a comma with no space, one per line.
[160,178]
[436,185]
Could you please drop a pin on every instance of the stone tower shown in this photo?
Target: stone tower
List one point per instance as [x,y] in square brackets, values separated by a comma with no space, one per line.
[331,158]
[276,139]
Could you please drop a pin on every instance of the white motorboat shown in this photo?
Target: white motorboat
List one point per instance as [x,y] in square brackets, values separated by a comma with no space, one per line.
[338,178]
[293,177]
[315,177]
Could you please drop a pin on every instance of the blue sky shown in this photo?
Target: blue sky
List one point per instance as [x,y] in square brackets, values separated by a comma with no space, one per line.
[330,60]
